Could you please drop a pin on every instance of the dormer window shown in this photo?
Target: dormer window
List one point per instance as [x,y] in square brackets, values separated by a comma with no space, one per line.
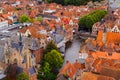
[109,53]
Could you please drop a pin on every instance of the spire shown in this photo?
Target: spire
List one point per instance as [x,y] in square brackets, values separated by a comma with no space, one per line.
[20,44]
[20,40]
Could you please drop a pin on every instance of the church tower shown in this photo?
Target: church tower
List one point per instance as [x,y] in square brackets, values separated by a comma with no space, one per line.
[20,43]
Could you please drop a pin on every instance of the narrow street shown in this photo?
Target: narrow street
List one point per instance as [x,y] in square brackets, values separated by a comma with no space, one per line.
[71,53]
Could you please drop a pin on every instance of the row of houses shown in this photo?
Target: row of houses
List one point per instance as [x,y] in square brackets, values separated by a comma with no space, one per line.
[110,23]
[23,50]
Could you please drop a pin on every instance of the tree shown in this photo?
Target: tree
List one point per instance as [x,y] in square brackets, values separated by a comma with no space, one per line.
[18,9]
[22,76]
[49,1]
[72,2]
[45,72]
[46,67]
[24,18]
[66,2]
[88,20]
[54,58]
[50,46]
[39,19]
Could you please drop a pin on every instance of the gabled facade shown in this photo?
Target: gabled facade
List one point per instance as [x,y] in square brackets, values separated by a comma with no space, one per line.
[115,29]
[1,10]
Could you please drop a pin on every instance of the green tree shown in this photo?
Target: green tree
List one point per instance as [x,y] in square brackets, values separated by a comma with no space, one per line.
[54,58]
[66,2]
[30,20]
[50,46]
[22,76]
[72,2]
[87,21]
[49,1]
[46,67]
[24,18]
[45,72]
[39,19]
[18,9]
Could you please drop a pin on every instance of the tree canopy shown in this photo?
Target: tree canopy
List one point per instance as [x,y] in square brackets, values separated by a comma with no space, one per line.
[39,19]
[71,2]
[52,61]
[24,18]
[22,76]
[50,46]
[87,21]
[54,58]
[45,73]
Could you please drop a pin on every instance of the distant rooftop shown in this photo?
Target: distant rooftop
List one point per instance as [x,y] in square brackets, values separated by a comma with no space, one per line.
[114,3]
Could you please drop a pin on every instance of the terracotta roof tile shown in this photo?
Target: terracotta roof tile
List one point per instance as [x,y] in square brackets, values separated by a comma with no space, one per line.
[111,72]
[71,69]
[5,15]
[91,76]
[23,30]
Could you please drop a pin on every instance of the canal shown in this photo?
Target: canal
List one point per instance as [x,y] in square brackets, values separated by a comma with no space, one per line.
[72,53]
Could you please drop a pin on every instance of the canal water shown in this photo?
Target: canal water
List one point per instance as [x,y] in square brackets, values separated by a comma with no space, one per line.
[72,53]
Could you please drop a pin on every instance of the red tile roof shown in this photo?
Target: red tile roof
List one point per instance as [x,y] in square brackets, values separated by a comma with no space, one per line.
[91,76]
[71,69]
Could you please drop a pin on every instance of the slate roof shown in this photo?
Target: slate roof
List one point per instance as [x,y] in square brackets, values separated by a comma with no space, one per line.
[25,59]
[58,38]
[15,43]
[17,46]
[13,69]
[47,16]
[34,45]
[1,53]
[2,44]
[32,70]
[29,43]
